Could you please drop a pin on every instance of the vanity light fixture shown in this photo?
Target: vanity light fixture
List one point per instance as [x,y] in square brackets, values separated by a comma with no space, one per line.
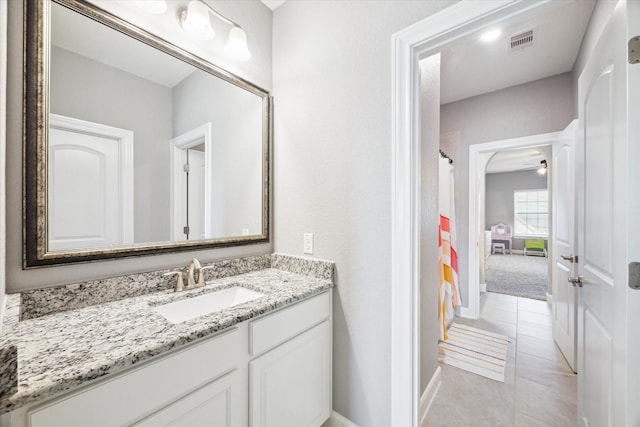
[542,169]
[157,7]
[195,20]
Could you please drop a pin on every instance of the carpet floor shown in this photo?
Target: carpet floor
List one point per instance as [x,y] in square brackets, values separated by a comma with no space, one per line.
[522,276]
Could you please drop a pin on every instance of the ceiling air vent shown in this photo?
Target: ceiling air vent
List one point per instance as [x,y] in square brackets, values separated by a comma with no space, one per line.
[522,40]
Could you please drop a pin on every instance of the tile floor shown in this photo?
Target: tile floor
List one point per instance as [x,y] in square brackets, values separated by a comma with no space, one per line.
[539,389]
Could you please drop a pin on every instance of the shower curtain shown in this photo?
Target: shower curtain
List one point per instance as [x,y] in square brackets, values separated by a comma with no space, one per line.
[448,290]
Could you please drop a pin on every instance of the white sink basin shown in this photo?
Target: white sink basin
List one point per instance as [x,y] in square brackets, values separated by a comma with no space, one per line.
[191,308]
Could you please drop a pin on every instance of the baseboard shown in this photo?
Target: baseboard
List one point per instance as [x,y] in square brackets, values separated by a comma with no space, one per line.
[429,394]
[549,299]
[337,420]
[483,287]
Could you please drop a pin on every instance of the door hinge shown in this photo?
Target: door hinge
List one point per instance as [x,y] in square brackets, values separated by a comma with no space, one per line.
[634,275]
[634,50]
[185,229]
[185,167]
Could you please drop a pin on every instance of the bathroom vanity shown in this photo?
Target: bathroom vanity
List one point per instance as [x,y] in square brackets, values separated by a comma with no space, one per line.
[265,362]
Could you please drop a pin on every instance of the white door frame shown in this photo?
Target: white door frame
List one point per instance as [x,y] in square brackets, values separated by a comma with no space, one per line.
[124,139]
[477,166]
[409,45]
[178,157]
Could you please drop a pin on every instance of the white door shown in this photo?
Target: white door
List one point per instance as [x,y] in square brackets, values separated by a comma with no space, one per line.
[195,193]
[90,200]
[565,296]
[607,197]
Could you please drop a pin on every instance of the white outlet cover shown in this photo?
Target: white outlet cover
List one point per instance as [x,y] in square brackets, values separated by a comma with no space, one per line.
[308,243]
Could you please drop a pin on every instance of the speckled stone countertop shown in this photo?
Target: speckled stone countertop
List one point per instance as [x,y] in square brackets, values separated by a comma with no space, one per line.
[64,349]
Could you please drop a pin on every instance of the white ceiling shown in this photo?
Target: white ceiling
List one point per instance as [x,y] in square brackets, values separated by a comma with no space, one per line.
[473,67]
[514,160]
[273,4]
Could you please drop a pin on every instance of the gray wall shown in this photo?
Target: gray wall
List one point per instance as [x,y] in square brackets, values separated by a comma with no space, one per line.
[254,16]
[236,132]
[127,102]
[332,91]
[430,214]
[538,107]
[3,144]
[499,188]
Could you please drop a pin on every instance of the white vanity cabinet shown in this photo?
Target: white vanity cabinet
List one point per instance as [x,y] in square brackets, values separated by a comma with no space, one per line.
[290,384]
[203,372]
[274,370]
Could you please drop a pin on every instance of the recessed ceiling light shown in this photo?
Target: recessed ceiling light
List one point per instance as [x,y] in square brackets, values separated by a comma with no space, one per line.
[490,35]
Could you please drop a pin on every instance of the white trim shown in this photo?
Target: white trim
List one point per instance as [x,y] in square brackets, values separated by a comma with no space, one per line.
[475,167]
[429,395]
[337,420]
[177,158]
[124,138]
[408,45]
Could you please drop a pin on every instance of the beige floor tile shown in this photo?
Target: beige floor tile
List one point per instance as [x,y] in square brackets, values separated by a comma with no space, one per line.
[534,330]
[540,319]
[539,390]
[499,315]
[528,361]
[544,403]
[537,347]
[522,420]
[534,306]
[467,399]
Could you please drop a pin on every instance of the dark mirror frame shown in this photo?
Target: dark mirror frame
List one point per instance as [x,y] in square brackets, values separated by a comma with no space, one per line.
[35,140]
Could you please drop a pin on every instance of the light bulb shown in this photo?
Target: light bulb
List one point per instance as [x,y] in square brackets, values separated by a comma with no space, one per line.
[196,20]
[236,47]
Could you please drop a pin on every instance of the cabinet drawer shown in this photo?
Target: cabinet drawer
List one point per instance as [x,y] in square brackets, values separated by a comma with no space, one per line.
[135,394]
[221,403]
[276,328]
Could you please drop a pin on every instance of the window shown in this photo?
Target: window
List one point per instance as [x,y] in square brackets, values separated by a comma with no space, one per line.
[531,213]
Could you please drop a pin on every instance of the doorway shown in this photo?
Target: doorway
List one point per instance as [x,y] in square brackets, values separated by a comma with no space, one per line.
[191,163]
[416,42]
[516,224]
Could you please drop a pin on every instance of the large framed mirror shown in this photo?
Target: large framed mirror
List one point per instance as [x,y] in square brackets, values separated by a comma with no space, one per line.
[134,146]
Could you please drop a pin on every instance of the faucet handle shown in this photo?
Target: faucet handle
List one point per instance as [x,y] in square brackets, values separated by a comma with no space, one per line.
[201,274]
[179,283]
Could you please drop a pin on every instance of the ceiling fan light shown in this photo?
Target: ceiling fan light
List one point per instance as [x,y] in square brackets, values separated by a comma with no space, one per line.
[542,169]
[236,47]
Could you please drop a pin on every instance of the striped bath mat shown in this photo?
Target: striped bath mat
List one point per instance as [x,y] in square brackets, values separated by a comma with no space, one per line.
[474,350]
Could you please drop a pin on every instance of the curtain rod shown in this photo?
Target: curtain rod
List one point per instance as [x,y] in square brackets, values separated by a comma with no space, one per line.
[443,154]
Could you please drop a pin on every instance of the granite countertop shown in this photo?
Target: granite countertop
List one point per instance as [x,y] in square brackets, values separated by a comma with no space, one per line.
[64,349]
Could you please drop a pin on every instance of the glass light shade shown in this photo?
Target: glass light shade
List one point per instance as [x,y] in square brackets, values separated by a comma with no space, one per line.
[157,7]
[236,47]
[196,21]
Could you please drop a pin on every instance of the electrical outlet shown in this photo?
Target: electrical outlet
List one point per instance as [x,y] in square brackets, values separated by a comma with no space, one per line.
[308,243]
[245,231]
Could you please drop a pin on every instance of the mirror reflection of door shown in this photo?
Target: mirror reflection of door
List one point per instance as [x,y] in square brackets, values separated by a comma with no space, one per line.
[90,200]
[190,184]
[194,206]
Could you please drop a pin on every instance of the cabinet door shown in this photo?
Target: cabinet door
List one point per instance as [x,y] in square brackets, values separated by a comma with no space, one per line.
[221,403]
[291,384]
